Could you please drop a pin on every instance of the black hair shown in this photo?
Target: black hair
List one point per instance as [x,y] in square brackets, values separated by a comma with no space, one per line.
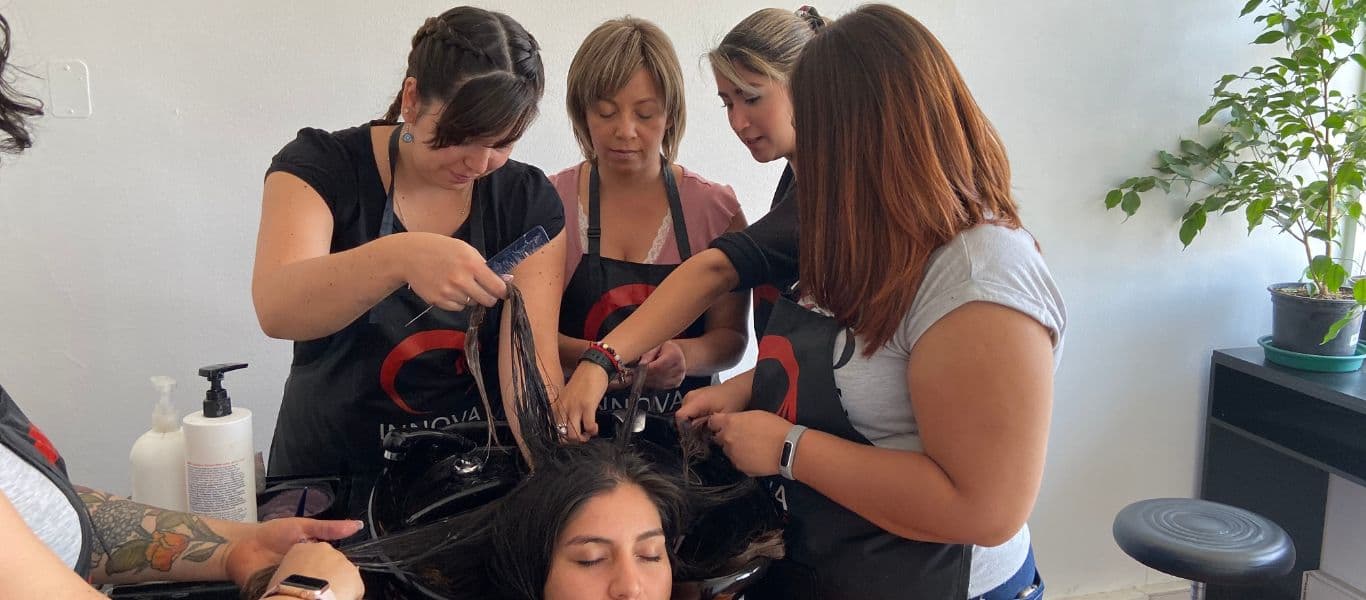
[714,518]
[482,71]
[15,108]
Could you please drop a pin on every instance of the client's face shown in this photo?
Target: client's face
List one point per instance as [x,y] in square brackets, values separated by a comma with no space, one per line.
[614,547]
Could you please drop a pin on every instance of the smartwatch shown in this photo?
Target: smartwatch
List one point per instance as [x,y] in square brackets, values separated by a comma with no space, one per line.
[302,586]
[789,456]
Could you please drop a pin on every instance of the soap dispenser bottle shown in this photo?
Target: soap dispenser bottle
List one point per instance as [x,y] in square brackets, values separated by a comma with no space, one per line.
[220,464]
[158,456]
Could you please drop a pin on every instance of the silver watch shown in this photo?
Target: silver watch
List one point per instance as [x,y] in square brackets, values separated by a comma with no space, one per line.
[302,586]
[788,458]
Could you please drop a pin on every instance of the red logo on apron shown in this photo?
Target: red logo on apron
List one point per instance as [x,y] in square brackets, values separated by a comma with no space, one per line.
[617,298]
[43,445]
[412,347]
[766,293]
[778,348]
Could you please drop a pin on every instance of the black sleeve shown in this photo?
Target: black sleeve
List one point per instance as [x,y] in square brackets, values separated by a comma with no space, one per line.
[544,207]
[766,251]
[523,198]
[322,161]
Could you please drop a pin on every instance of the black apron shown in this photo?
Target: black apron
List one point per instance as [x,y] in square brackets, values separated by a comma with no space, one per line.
[833,553]
[24,439]
[382,374]
[766,295]
[604,291]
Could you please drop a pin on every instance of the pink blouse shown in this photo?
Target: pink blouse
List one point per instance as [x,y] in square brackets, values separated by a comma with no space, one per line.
[708,209]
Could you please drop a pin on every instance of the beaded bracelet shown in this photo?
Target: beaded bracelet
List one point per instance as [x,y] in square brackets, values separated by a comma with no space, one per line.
[603,356]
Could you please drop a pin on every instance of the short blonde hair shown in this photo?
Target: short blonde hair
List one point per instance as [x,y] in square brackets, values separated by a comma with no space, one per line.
[605,62]
[767,42]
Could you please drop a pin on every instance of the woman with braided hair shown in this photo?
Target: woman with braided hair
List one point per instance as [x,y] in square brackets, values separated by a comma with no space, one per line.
[362,229]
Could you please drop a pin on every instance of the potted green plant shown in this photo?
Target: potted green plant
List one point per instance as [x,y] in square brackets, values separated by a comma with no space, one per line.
[1287,150]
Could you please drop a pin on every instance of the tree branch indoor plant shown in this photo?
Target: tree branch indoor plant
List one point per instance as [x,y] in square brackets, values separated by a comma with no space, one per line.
[1285,150]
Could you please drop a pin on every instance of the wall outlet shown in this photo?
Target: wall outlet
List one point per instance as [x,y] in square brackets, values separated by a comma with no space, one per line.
[68,82]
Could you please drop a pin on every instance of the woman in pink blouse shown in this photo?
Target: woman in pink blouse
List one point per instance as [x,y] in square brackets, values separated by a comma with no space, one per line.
[632,214]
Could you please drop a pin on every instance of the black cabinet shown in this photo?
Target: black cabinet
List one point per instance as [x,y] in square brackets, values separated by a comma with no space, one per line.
[1272,437]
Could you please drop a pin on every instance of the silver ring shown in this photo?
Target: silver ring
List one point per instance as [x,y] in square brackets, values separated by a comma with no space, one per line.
[562,429]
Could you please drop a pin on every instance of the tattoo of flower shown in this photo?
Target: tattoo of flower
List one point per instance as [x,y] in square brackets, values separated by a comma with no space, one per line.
[131,547]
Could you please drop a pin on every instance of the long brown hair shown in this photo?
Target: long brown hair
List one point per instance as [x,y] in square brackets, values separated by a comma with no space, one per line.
[894,159]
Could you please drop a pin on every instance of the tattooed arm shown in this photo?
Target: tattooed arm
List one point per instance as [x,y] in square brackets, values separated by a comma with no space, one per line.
[136,543]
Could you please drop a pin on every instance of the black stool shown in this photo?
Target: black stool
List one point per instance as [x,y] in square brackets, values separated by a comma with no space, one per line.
[1204,542]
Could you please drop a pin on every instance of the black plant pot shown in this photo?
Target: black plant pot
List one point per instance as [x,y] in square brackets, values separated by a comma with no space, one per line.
[1298,323]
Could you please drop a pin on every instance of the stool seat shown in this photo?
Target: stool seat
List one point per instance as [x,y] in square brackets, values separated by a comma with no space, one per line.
[1204,541]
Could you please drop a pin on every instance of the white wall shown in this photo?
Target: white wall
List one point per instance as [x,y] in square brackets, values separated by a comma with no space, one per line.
[126,239]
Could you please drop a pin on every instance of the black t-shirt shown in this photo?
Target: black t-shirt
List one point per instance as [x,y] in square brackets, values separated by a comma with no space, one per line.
[341,167]
[766,251]
[347,390]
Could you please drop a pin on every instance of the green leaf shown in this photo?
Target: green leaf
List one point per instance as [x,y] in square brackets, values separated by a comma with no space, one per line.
[1130,182]
[1163,183]
[201,555]
[1337,327]
[1193,148]
[1145,184]
[129,557]
[1334,122]
[1249,7]
[1360,59]
[1112,199]
[1319,267]
[1354,211]
[1182,170]
[169,520]
[1287,63]
[1334,279]
[1191,226]
[1270,37]
[1256,211]
[1359,291]
[1343,36]
[1129,204]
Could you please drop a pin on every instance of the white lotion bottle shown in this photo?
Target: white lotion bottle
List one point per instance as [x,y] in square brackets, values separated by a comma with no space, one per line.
[158,456]
[220,462]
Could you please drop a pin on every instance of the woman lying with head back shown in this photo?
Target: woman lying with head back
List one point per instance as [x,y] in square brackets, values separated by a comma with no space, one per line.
[605,519]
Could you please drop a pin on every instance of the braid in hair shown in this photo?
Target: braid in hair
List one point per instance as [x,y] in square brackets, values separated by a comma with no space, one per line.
[484,67]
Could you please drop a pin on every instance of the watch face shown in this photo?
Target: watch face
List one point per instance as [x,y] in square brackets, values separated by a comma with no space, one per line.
[304,582]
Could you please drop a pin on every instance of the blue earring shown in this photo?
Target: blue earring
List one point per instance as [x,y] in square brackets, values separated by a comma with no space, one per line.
[407,136]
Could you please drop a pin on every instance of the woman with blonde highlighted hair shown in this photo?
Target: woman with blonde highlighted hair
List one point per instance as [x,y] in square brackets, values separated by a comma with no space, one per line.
[632,214]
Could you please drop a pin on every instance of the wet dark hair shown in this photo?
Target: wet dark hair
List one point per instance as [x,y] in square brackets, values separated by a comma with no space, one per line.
[503,550]
[715,519]
[481,70]
[15,108]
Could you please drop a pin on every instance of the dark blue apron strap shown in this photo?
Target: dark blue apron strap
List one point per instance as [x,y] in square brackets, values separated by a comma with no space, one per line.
[477,223]
[594,218]
[386,225]
[594,246]
[676,211]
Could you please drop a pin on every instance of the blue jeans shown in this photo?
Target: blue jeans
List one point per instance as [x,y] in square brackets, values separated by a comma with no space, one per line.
[1025,584]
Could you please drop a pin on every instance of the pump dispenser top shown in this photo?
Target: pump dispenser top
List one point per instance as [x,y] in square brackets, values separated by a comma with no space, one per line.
[164,419]
[216,400]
